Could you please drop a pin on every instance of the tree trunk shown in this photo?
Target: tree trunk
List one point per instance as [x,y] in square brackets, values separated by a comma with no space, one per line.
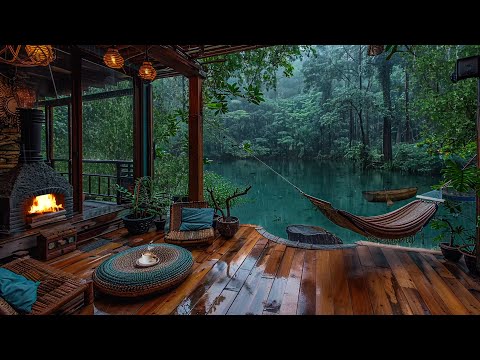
[384,72]
[351,128]
[408,129]
[367,132]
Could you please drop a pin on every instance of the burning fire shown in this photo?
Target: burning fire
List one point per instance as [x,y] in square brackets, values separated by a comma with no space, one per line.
[45,204]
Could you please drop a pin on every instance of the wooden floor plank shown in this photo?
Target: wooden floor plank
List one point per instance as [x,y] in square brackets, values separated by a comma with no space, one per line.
[323,287]
[365,256]
[249,274]
[401,274]
[468,300]
[341,294]
[361,304]
[275,297]
[274,262]
[454,305]
[209,298]
[222,303]
[218,271]
[245,297]
[292,288]
[434,303]
[466,280]
[378,257]
[306,298]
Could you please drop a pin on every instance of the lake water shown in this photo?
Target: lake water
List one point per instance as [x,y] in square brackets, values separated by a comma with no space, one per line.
[274,204]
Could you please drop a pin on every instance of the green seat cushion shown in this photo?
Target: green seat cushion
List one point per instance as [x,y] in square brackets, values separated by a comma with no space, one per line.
[196,219]
[17,290]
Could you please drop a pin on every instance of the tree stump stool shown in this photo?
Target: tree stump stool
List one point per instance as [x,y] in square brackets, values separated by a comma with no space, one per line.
[312,235]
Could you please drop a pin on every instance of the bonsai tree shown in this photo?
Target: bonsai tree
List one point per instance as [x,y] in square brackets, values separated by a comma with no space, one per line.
[228,202]
[223,188]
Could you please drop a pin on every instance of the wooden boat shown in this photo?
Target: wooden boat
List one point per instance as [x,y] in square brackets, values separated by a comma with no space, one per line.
[390,195]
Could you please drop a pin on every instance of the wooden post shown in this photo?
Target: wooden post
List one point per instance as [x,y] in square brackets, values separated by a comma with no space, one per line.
[195,139]
[77,131]
[137,127]
[49,133]
[149,149]
[142,129]
[477,213]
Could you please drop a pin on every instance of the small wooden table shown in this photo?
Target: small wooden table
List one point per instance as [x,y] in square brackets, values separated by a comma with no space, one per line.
[312,235]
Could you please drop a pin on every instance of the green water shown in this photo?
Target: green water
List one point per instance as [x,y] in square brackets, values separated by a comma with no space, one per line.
[274,204]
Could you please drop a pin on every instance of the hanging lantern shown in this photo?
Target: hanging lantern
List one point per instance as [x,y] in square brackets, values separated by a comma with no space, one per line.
[41,54]
[147,72]
[113,59]
[374,50]
[25,97]
[27,55]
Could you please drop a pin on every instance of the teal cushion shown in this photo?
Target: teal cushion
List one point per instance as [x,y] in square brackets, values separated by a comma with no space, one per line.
[196,219]
[17,290]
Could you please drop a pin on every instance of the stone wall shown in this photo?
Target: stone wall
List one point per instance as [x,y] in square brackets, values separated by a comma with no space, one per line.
[9,127]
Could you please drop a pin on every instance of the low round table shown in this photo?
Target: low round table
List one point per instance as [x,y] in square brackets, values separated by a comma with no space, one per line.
[311,235]
[119,276]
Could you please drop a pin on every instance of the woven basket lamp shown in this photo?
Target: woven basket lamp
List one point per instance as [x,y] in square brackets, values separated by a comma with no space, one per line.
[374,50]
[27,55]
[113,59]
[147,72]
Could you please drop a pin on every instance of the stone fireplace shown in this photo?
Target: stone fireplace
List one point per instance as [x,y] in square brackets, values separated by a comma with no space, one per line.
[32,194]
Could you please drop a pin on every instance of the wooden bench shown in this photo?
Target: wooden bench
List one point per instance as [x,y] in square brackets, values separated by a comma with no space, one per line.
[59,292]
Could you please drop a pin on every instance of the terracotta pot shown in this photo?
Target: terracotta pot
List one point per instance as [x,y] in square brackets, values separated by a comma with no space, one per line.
[228,228]
[450,252]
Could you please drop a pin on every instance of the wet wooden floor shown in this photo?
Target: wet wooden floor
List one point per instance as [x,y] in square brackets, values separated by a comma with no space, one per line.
[249,274]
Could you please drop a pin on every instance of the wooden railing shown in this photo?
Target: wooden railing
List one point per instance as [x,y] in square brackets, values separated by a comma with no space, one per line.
[102,175]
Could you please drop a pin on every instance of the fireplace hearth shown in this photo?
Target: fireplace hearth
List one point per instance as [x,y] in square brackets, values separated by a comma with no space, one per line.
[32,194]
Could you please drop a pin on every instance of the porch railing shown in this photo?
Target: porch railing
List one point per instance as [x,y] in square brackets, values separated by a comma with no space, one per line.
[100,177]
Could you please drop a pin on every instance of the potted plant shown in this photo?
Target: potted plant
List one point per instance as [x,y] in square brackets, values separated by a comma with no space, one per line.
[161,207]
[460,180]
[468,252]
[227,225]
[142,210]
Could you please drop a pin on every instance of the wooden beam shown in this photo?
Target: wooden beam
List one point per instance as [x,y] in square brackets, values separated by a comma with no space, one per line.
[77,131]
[477,247]
[195,139]
[171,58]
[49,132]
[137,127]
[149,131]
[89,97]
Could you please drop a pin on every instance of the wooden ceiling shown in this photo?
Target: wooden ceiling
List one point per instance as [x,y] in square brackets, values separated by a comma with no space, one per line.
[168,60]
[173,60]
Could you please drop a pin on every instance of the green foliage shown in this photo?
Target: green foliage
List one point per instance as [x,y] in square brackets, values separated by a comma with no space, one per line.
[461,180]
[245,74]
[144,200]
[412,158]
[444,225]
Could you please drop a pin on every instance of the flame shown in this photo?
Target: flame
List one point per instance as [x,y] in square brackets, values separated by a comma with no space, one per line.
[45,204]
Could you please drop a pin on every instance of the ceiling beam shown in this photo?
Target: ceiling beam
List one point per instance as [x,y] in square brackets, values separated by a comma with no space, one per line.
[175,60]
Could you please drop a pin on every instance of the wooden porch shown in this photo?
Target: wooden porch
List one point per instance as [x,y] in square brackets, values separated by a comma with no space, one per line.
[250,274]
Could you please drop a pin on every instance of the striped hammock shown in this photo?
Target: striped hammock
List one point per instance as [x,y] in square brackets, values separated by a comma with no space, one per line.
[398,224]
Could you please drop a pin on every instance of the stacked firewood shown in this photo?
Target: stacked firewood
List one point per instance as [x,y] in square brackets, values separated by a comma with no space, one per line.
[9,148]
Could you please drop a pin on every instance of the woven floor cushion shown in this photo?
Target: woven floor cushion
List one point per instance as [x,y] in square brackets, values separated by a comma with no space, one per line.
[119,276]
[197,237]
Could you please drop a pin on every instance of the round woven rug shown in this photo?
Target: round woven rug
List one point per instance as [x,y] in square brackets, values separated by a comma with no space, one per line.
[119,276]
